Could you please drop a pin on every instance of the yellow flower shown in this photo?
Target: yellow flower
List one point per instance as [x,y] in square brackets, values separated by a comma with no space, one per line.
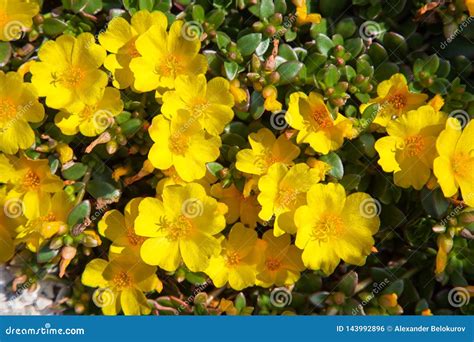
[91,119]
[69,73]
[333,227]
[182,143]
[120,38]
[241,207]
[8,223]
[165,56]
[209,103]
[32,183]
[282,191]
[409,149]
[312,118]
[455,164]
[121,284]
[120,228]
[172,178]
[51,220]
[394,99]
[272,104]
[281,263]
[18,106]
[302,16]
[470,6]
[437,102]
[265,151]
[238,260]
[239,94]
[15,18]
[182,227]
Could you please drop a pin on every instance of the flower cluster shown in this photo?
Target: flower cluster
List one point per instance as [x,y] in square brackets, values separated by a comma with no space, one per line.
[138,160]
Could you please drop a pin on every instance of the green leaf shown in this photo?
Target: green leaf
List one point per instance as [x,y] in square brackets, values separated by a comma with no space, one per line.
[385,71]
[331,76]
[240,302]
[332,8]
[394,8]
[318,298]
[131,127]
[198,13]
[333,159]
[434,202]
[216,17]
[354,46]
[431,65]
[280,6]
[369,115]
[45,254]
[262,47]
[248,43]
[5,53]
[231,69]
[102,189]
[396,287]
[267,8]
[440,86]
[74,171]
[286,51]
[53,27]
[377,53]
[288,71]
[223,40]
[349,283]
[214,168]
[256,105]
[79,213]
[324,44]
[346,27]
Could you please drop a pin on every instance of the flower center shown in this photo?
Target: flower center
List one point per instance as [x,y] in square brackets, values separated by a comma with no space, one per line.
[132,49]
[462,164]
[71,78]
[414,145]
[178,144]
[122,280]
[170,67]
[7,110]
[286,198]
[50,217]
[198,108]
[31,180]
[133,238]
[329,226]
[232,258]
[272,264]
[180,228]
[321,118]
[398,101]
